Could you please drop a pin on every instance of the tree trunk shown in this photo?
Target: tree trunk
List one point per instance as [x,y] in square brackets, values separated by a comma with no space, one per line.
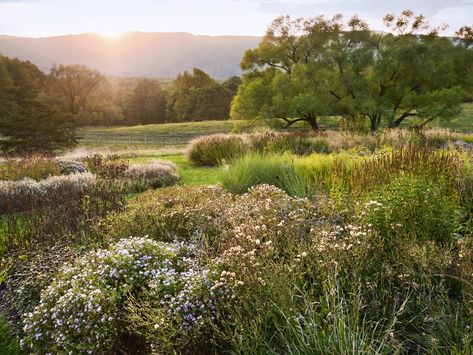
[312,120]
[375,121]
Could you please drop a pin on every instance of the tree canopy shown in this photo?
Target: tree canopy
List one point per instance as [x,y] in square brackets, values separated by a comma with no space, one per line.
[196,96]
[307,68]
[27,124]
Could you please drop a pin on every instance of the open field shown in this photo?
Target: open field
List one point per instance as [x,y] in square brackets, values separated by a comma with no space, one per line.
[180,134]
[168,134]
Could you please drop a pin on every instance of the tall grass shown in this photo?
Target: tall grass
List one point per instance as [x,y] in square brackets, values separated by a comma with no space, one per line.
[256,169]
[212,150]
[216,149]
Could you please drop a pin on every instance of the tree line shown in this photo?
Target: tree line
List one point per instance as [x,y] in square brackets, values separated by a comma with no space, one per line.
[308,68]
[39,112]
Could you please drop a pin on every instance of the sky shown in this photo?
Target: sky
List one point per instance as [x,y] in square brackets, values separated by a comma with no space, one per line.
[40,18]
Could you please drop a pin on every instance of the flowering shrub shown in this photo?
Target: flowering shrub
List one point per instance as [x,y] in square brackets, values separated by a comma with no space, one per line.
[83,309]
[27,194]
[71,167]
[154,174]
[179,212]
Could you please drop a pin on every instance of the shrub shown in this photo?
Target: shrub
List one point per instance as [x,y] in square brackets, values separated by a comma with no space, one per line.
[29,195]
[32,271]
[83,310]
[154,174]
[71,167]
[36,168]
[180,212]
[257,169]
[216,149]
[414,207]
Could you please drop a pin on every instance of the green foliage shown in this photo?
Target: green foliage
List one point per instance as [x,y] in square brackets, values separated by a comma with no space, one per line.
[414,207]
[147,103]
[256,169]
[71,86]
[28,125]
[196,96]
[9,342]
[306,68]
[37,128]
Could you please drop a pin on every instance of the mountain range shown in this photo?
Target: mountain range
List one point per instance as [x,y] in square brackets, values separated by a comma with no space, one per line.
[135,54]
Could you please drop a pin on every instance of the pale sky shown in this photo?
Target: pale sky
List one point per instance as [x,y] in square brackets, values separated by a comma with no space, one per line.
[38,18]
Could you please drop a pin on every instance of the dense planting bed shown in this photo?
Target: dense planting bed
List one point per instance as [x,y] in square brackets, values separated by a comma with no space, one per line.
[308,244]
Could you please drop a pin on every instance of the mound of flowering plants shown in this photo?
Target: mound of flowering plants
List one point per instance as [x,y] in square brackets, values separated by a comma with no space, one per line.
[84,309]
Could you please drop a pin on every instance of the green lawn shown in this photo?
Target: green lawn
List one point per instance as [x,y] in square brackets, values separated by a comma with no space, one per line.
[189,175]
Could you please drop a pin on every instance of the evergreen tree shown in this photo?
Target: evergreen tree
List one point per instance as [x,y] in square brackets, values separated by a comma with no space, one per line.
[36,128]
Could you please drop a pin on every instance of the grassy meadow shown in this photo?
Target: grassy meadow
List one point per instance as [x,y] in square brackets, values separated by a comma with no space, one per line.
[248,243]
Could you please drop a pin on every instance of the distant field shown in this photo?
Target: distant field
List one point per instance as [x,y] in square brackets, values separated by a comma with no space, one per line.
[180,134]
[168,134]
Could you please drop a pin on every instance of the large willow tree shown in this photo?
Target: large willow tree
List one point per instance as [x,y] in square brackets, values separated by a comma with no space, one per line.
[307,68]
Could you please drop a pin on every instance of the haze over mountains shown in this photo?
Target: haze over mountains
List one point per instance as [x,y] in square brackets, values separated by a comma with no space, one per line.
[161,55]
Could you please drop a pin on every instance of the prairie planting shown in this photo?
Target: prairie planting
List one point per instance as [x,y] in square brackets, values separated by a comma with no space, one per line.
[288,242]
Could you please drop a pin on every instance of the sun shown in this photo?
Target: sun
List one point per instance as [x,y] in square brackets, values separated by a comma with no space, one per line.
[110,33]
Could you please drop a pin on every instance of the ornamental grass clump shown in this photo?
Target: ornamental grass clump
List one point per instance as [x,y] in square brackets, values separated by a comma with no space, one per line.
[154,174]
[84,310]
[216,149]
[256,169]
[420,161]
